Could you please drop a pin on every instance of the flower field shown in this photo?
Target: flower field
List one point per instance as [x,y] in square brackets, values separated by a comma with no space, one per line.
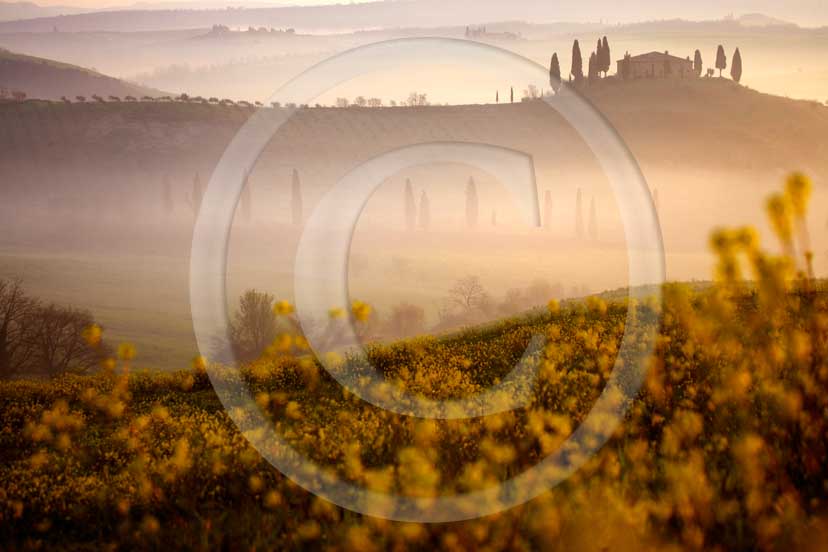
[724,447]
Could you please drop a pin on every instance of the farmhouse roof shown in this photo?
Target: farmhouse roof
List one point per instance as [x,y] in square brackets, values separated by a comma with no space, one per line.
[653,57]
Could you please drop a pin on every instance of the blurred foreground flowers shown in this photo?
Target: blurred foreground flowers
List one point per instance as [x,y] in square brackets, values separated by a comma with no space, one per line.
[725,447]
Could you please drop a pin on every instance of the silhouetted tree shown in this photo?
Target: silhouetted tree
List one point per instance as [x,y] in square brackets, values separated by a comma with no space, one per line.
[57,341]
[736,66]
[698,65]
[512,95]
[472,207]
[406,320]
[579,216]
[246,200]
[197,196]
[410,206]
[592,68]
[606,62]
[555,73]
[577,71]
[16,310]
[497,96]
[425,211]
[167,195]
[599,57]
[721,60]
[253,327]
[593,222]
[467,293]
[296,207]
[547,209]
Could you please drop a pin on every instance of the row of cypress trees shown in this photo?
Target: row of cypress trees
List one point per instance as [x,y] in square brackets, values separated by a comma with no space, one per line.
[196,196]
[600,61]
[473,211]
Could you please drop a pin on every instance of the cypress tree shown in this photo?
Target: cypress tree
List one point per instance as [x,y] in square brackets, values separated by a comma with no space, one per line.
[246,203]
[698,65]
[579,217]
[296,207]
[410,207]
[599,57]
[512,95]
[547,209]
[425,212]
[736,66]
[593,222]
[471,204]
[721,60]
[607,64]
[593,67]
[555,73]
[497,96]
[577,71]
[198,194]
[166,190]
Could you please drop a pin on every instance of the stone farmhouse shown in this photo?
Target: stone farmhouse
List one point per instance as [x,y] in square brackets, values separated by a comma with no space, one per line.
[655,65]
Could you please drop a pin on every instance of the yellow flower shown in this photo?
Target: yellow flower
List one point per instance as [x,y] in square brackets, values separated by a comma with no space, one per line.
[361,311]
[798,189]
[199,364]
[779,213]
[333,314]
[126,351]
[92,335]
[282,308]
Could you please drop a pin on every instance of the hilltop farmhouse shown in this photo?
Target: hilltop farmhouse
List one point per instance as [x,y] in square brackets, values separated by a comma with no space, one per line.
[655,65]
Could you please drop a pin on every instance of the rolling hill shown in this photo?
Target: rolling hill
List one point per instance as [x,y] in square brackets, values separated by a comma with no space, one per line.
[420,13]
[49,80]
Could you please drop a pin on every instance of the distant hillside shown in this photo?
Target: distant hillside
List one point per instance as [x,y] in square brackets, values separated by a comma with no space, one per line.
[712,148]
[419,13]
[10,11]
[711,123]
[49,80]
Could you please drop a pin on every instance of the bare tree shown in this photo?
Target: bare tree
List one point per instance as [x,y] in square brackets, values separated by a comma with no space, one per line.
[406,320]
[16,310]
[467,293]
[57,341]
[253,327]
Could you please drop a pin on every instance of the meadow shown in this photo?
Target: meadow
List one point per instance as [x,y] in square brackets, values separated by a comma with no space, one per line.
[723,448]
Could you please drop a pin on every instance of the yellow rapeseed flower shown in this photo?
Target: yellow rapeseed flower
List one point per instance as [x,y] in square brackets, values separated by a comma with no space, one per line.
[282,308]
[126,351]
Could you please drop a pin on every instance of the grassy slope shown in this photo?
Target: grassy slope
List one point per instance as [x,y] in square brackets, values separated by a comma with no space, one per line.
[48,79]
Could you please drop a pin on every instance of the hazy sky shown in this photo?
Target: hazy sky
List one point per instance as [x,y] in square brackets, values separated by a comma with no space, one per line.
[184,3]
